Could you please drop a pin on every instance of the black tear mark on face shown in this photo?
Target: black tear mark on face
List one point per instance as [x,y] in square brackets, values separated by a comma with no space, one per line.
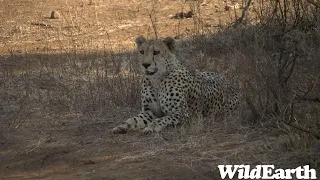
[156,52]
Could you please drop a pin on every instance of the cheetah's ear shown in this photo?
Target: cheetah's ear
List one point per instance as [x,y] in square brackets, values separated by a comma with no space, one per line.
[170,42]
[140,40]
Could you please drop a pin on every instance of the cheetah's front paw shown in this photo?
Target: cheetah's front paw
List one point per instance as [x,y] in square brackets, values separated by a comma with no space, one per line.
[119,130]
[147,130]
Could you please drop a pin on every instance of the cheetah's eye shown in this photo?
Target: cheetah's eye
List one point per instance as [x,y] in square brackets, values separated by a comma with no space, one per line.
[156,52]
[142,51]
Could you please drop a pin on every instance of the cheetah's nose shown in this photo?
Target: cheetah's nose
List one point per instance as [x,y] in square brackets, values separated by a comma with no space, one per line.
[146,65]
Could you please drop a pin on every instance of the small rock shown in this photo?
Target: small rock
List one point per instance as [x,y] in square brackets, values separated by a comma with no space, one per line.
[92,2]
[182,15]
[88,162]
[55,15]
[188,14]
[227,8]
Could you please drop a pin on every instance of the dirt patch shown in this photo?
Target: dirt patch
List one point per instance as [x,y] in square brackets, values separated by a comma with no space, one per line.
[72,149]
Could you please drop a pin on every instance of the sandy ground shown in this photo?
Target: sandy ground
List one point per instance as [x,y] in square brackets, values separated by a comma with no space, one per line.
[25,25]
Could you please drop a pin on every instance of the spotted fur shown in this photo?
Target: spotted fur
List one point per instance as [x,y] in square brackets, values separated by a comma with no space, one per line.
[171,93]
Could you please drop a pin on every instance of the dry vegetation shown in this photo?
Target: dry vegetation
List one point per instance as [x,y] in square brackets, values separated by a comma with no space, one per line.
[66,82]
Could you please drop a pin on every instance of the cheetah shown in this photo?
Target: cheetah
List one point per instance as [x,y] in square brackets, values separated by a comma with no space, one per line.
[171,93]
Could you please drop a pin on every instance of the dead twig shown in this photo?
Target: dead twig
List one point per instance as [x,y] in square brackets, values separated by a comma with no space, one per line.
[244,11]
[43,25]
[303,129]
[153,19]
[316,4]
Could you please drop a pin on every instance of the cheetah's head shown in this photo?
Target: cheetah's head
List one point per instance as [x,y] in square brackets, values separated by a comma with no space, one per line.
[156,56]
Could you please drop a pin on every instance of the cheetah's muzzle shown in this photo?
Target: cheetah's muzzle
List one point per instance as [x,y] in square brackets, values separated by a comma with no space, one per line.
[151,73]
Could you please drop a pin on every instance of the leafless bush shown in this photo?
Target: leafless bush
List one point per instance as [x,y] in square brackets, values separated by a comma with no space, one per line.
[278,63]
[64,83]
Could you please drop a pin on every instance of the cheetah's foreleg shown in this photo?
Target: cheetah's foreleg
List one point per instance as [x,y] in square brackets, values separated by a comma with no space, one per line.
[160,123]
[139,121]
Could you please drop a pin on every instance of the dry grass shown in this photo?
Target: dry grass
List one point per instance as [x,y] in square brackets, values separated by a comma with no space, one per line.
[59,104]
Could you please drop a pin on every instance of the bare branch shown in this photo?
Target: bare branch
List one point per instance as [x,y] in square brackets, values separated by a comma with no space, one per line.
[244,11]
[303,129]
[316,4]
[153,18]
